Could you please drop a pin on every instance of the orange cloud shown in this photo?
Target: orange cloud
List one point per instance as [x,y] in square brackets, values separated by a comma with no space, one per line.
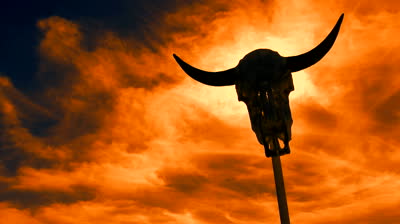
[118,133]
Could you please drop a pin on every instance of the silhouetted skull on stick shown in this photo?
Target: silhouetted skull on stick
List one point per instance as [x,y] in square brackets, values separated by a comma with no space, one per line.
[263,82]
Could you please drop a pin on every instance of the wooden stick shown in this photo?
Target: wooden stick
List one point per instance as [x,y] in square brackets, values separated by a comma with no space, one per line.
[280,186]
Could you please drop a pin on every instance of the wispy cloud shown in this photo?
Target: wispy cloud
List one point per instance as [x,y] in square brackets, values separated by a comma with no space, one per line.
[117,133]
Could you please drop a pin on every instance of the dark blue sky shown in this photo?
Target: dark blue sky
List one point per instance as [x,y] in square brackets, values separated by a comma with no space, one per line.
[20,36]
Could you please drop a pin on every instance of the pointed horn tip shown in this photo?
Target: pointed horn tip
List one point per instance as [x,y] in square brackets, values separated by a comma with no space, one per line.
[179,60]
[341,18]
[338,23]
[300,62]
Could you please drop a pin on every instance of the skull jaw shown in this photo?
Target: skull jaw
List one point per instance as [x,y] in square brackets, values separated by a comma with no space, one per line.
[271,132]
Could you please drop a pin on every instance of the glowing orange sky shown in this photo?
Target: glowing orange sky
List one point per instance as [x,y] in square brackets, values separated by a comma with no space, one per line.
[137,141]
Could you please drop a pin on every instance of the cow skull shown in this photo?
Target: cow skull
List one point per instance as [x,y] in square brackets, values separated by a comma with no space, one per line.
[263,82]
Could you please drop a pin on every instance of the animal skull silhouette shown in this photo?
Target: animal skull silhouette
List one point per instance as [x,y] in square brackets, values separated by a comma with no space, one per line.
[265,89]
[263,82]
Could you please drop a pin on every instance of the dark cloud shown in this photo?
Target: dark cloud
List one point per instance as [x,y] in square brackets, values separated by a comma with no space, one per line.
[316,116]
[130,80]
[184,182]
[372,215]
[249,186]
[212,215]
[234,164]
[13,157]
[387,116]
[163,198]
[245,175]
[31,115]
[307,168]
[199,125]
[32,199]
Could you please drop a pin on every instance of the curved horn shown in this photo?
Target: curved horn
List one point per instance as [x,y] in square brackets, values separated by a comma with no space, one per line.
[299,62]
[223,78]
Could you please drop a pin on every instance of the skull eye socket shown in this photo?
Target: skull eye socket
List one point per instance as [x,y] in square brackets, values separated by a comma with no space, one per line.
[281,143]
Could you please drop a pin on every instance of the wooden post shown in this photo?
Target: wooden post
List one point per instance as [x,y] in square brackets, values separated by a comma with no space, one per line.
[280,186]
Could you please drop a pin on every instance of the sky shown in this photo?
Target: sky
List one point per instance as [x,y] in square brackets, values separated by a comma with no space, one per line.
[100,125]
